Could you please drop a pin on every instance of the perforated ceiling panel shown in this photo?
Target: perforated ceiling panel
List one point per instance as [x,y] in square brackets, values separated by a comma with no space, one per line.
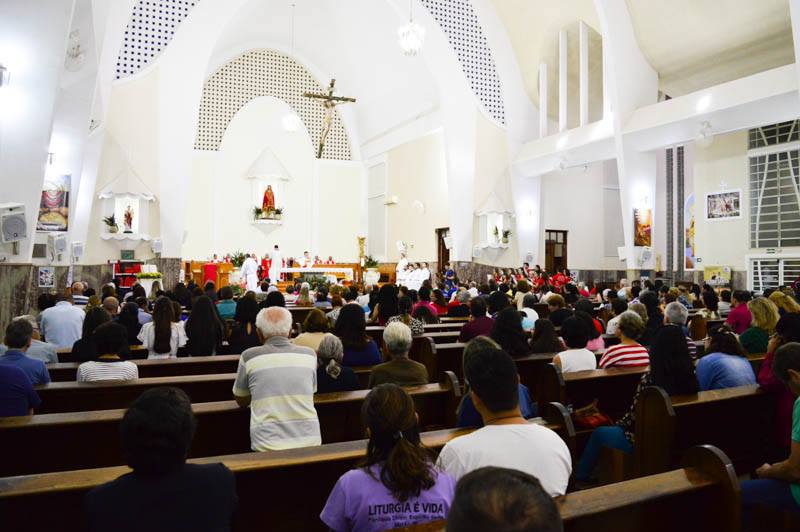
[265,73]
[152,25]
[460,23]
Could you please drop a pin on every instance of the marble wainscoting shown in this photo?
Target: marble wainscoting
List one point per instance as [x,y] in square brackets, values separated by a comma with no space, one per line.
[19,286]
[170,269]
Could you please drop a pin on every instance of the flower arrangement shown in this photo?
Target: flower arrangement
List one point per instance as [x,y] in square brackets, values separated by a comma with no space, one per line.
[155,275]
[272,214]
[370,262]
[257,211]
[111,223]
[506,234]
[237,258]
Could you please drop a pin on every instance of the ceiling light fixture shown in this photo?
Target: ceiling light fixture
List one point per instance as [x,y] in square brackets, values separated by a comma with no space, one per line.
[704,137]
[410,36]
[291,121]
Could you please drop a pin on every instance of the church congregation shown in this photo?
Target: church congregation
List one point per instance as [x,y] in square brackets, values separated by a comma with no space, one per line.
[420,265]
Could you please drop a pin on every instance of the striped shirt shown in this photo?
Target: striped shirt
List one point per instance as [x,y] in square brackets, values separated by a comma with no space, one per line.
[625,355]
[280,379]
[117,370]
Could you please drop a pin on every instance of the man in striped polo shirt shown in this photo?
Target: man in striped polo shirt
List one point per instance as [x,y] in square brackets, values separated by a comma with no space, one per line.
[277,381]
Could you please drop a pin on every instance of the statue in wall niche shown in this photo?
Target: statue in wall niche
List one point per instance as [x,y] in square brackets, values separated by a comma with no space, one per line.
[128,220]
[268,203]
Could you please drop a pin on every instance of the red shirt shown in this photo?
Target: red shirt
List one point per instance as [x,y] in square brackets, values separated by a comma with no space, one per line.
[624,355]
[739,318]
[441,310]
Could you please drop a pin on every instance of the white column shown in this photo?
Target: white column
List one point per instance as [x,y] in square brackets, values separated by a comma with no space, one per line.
[562,80]
[542,99]
[583,81]
[794,12]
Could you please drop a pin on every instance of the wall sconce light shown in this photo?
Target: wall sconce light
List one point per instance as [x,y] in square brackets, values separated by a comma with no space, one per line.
[5,76]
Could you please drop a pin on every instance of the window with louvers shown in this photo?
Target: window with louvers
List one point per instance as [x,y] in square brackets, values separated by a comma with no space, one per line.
[774,187]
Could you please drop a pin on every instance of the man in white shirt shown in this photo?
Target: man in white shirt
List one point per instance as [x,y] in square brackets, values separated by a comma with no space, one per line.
[275,266]
[507,439]
[250,272]
[62,325]
[306,262]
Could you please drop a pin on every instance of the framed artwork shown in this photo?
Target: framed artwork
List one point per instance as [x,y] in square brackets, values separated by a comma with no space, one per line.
[642,227]
[54,204]
[126,254]
[689,251]
[47,277]
[723,205]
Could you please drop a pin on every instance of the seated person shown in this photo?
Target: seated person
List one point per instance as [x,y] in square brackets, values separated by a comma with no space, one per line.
[351,328]
[226,306]
[529,320]
[84,348]
[459,308]
[508,333]
[17,396]
[404,305]
[672,368]
[497,498]
[39,350]
[129,318]
[507,439]
[628,352]
[676,315]
[314,328]
[467,415]
[331,375]
[739,318]
[425,315]
[545,339]
[111,341]
[162,492]
[244,333]
[593,331]
[777,487]
[397,475]
[479,323]
[765,317]
[576,357]
[321,299]
[725,364]
[19,335]
[618,306]
[558,310]
[278,373]
[400,369]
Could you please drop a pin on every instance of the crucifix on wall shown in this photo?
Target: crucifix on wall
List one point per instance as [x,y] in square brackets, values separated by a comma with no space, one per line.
[329,103]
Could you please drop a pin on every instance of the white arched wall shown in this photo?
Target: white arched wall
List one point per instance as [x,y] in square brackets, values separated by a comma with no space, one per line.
[220,199]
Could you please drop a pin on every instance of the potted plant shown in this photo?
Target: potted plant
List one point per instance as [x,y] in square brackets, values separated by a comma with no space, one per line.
[506,234]
[373,275]
[496,234]
[278,213]
[111,224]
[257,211]
[237,258]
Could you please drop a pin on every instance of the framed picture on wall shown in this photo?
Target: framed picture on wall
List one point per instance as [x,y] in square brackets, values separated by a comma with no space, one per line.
[47,277]
[642,227]
[723,205]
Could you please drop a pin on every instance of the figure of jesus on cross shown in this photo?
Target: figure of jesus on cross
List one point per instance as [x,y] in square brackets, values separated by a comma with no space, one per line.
[329,103]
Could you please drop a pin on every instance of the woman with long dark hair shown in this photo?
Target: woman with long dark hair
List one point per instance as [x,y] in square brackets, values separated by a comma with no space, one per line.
[545,338]
[162,337]
[398,475]
[671,368]
[129,318]
[595,342]
[386,305]
[351,328]
[85,349]
[244,333]
[204,330]
[508,333]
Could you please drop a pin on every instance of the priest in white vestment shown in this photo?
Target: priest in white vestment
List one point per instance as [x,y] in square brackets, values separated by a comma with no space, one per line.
[306,261]
[250,272]
[275,266]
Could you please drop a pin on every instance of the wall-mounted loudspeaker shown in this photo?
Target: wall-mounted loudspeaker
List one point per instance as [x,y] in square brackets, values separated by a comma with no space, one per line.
[477,252]
[13,227]
[56,246]
[156,245]
[77,250]
[448,242]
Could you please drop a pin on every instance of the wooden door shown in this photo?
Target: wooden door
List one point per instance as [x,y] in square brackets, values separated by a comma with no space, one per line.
[442,253]
[555,250]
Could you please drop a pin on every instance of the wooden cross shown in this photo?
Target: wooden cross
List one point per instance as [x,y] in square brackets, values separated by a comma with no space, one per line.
[329,103]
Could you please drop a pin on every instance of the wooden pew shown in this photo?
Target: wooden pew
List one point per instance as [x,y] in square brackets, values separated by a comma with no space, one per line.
[298,482]
[666,427]
[67,371]
[703,495]
[57,442]
[136,352]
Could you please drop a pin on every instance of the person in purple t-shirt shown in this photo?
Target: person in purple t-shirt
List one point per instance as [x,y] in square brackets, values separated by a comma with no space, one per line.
[479,323]
[397,485]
